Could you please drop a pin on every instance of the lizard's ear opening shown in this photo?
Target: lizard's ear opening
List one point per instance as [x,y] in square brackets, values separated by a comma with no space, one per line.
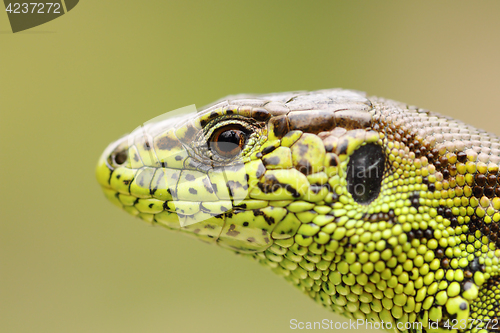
[365,172]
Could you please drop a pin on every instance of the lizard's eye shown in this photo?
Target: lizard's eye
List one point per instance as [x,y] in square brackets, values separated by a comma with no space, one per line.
[365,171]
[228,141]
[120,157]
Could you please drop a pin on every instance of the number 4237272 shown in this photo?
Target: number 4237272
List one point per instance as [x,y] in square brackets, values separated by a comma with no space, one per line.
[34,8]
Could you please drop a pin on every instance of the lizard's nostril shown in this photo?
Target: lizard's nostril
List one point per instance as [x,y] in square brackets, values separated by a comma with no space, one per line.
[121,157]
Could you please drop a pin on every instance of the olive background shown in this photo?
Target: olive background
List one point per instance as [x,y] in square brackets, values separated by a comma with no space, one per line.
[71,261]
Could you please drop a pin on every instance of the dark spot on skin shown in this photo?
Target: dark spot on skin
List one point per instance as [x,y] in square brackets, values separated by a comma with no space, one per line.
[178,157]
[136,158]
[445,263]
[251,240]
[118,176]
[462,157]
[304,166]
[415,200]
[232,232]
[232,186]
[266,240]
[243,205]
[245,224]
[196,231]
[126,182]
[207,185]
[316,188]
[274,160]
[150,205]
[269,219]
[190,133]
[166,143]
[214,186]
[192,191]
[463,306]
[211,116]
[480,179]
[489,191]
[431,187]
[419,234]
[342,147]
[333,161]
[328,147]
[492,180]
[443,160]
[268,150]
[478,191]
[261,169]
[140,181]
[146,145]
[270,184]
[190,177]
[258,155]
[260,114]
[280,126]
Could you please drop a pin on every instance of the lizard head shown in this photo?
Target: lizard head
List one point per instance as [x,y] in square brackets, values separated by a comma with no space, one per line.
[376,209]
[246,172]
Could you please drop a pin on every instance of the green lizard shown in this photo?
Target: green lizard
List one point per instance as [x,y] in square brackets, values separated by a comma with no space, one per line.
[375,209]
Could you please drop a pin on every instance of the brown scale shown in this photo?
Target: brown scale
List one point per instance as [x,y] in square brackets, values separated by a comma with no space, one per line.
[490,230]
[378,217]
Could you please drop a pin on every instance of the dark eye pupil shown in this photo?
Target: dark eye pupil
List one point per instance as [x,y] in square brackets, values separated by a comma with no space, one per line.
[365,171]
[229,139]
[228,142]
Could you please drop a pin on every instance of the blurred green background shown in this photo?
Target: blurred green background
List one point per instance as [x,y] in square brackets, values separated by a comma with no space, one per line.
[71,261]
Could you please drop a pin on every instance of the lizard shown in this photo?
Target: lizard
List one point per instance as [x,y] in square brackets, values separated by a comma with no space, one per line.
[377,210]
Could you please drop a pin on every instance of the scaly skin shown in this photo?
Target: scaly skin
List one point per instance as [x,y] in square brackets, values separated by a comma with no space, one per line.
[375,209]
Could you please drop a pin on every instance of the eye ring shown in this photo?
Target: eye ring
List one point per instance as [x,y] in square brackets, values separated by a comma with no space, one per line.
[228,141]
